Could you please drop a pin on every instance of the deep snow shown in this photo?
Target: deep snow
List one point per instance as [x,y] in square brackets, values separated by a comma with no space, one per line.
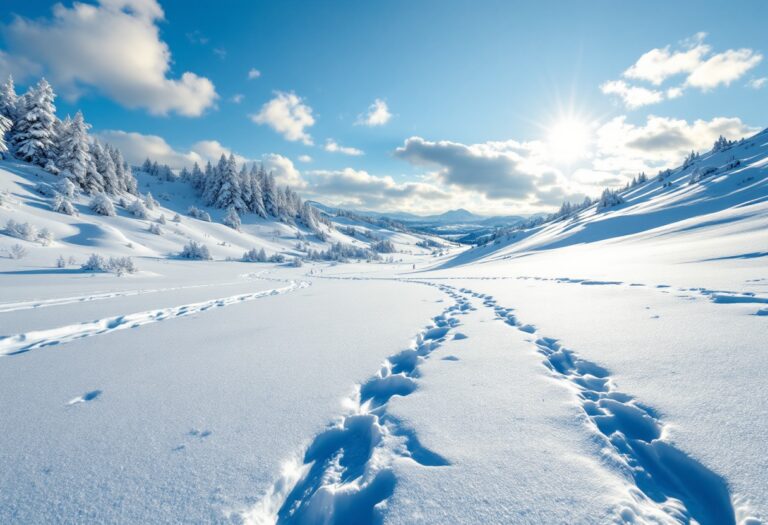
[605,368]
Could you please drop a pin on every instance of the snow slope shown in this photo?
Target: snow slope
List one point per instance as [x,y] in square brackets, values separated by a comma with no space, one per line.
[604,369]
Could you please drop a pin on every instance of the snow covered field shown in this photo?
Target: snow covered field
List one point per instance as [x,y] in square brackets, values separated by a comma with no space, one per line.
[595,371]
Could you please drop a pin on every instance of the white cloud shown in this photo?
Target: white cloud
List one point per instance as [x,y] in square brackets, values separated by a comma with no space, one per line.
[632,96]
[723,68]
[377,115]
[657,65]
[113,47]
[238,98]
[703,70]
[253,73]
[287,114]
[284,170]
[334,147]
[136,147]
[660,143]
[305,158]
[758,83]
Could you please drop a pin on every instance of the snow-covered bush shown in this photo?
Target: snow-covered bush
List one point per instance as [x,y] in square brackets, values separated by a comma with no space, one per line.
[276,258]
[195,251]
[138,209]
[95,263]
[296,262]
[102,205]
[62,204]
[161,219]
[155,228]
[383,246]
[45,190]
[121,265]
[254,255]
[232,219]
[61,262]
[21,230]
[45,237]
[66,188]
[700,173]
[342,252]
[17,251]
[609,198]
[118,265]
[176,218]
[196,213]
[150,201]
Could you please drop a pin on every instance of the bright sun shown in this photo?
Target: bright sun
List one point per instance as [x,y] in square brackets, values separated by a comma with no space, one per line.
[568,140]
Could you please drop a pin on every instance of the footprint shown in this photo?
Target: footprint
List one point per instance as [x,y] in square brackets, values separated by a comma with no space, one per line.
[450,358]
[88,396]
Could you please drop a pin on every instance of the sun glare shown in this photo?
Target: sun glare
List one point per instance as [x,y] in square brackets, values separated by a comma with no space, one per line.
[568,140]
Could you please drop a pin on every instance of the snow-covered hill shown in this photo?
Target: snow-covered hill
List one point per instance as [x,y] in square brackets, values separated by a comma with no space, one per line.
[28,195]
[604,368]
[719,200]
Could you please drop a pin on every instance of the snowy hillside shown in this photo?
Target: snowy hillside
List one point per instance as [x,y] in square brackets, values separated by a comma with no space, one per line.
[29,194]
[721,195]
[206,347]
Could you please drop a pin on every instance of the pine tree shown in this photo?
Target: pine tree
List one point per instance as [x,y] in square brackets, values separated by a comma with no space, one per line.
[257,192]
[271,195]
[213,180]
[232,219]
[246,190]
[229,193]
[74,155]
[33,135]
[105,166]
[197,179]
[8,100]
[5,127]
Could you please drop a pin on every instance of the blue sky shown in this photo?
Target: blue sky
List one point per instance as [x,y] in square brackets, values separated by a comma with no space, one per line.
[498,107]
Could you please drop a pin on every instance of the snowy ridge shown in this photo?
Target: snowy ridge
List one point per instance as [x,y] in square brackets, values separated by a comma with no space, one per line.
[666,478]
[20,343]
[345,474]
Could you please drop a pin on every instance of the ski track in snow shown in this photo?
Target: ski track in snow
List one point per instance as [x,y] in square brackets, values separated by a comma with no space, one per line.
[667,478]
[21,343]
[347,469]
[100,296]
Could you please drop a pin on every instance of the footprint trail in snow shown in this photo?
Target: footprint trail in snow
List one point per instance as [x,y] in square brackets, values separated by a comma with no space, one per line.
[347,469]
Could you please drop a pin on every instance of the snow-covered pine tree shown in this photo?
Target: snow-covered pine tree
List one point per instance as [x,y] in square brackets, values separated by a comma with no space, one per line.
[33,130]
[150,201]
[308,216]
[74,153]
[246,190]
[232,219]
[229,192]
[196,178]
[105,165]
[125,176]
[5,127]
[8,99]
[257,196]
[94,182]
[146,166]
[270,193]
[609,198]
[213,180]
